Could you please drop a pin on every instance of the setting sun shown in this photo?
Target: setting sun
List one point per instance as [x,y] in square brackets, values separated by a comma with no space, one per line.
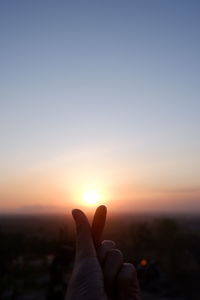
[91,197]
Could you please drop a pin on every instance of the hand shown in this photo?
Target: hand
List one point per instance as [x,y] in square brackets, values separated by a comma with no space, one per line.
[99,272]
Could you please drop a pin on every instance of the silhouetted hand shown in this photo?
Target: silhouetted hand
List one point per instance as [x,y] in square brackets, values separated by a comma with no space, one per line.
[99,272]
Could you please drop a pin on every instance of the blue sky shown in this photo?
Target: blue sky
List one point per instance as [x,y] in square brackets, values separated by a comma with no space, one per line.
[114,81]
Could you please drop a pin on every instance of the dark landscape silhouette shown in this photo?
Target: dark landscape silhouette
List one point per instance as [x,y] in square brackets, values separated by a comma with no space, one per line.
[37,254]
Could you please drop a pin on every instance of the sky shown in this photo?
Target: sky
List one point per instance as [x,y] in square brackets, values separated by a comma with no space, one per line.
[100,95]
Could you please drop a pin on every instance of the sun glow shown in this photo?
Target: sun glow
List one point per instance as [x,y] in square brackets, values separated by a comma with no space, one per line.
[91,197]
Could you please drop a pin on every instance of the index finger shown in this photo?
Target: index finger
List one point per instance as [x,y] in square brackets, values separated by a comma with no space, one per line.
[84,239]
[98,224]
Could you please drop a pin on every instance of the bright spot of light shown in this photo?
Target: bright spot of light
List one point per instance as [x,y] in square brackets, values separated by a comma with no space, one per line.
[91,197]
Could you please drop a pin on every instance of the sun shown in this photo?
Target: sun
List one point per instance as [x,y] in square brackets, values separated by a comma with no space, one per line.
[91,197]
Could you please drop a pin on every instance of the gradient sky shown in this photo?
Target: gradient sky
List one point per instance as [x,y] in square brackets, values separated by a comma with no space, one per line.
[102,94]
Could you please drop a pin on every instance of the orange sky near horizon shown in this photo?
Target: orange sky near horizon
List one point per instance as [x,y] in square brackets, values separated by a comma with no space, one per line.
[124,185]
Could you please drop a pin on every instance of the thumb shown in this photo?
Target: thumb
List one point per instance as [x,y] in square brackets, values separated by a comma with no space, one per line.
[84,240]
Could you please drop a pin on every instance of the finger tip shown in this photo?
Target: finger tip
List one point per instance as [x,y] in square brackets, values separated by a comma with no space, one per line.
[102,208]
[75,213]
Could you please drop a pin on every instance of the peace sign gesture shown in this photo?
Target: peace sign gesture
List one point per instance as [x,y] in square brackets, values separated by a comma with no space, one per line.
[99,272]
